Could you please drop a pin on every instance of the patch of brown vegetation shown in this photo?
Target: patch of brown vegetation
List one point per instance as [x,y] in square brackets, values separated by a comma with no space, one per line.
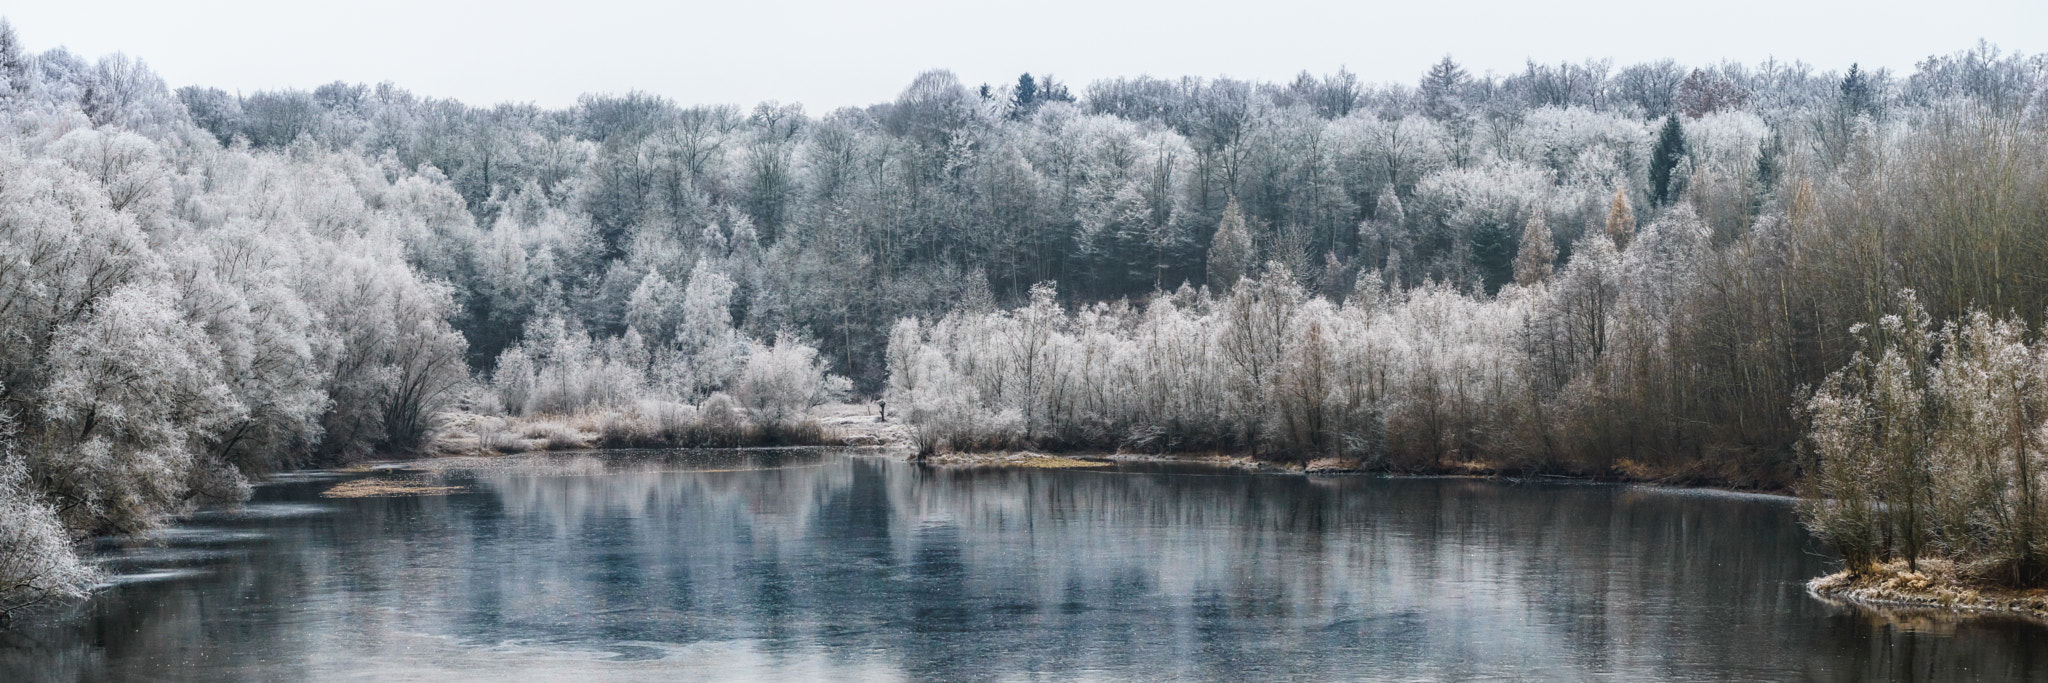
[1054,462]
[1023,459]
[1333,466]
[656,425]
[381,487]
[1937,584]
[1209,458]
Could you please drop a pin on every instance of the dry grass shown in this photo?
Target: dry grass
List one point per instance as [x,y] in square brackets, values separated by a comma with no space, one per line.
[379,487]
[566,439]
[1334,465]
[1054,462]
[1937,584]
[1023,459]
[1235,461]
[648,425]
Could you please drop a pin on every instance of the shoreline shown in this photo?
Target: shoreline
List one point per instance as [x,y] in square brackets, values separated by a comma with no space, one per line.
[1937,586]
[1889,590]
[855,425]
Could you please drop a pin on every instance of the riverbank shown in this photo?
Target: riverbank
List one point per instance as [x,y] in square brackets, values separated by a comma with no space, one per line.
[465,434]
[861,425]
[1937,584]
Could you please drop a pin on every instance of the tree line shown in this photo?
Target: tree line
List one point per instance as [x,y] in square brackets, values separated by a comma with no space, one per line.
[1572,267]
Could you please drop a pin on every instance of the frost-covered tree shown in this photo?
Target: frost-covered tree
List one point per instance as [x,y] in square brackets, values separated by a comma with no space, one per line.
[657,309]
[1231,252]
[1918,455]
[1665,158]
[783,381]
[1442,88]
[1537,254]
[37,564]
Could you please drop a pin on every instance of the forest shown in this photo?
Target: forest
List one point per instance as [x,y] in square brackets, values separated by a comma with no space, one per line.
[1746,275]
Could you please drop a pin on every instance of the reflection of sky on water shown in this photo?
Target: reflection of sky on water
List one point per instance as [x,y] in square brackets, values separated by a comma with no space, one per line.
[795,567]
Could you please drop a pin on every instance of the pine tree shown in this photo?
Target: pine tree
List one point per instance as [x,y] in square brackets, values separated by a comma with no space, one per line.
[1025,100]
[1858,97]
[1670,149]
[1621,220]
[1230,253]
[1440,89]
[1534,262]
[13,64]
[1389,209]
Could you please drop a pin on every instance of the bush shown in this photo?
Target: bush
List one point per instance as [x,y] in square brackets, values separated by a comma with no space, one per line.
[719,423]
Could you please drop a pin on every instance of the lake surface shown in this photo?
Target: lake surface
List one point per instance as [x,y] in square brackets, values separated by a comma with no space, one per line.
[820,566]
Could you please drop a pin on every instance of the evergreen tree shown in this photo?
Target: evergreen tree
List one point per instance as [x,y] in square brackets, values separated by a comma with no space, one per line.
[1538,254]
[13,64]
[1440,89]
[1670,149]
[1388,209]
[1230,254]
[1492,245]
[1858,97]
[1025,99]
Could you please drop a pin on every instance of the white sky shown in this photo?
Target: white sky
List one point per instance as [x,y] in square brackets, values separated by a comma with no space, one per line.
[828,54]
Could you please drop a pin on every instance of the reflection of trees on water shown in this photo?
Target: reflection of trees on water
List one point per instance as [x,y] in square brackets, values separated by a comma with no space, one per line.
[959,575]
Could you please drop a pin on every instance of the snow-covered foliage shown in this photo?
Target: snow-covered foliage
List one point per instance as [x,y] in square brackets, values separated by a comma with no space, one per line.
[782,381]
[179,316]
[198,285]
[36,559]
[1265,367]
[1930,443]
[689,352]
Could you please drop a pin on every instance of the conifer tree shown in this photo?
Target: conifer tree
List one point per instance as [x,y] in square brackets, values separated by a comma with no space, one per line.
[1858,97]
[1440,89]
[1230,253]
[1390,210]
[1670,149]
[13,64]
[1025,99]
[1534,262]
[1621,220]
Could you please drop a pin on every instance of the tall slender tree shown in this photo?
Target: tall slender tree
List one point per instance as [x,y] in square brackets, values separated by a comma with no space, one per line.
[1441,88]
[1538,255]
[1231,254]
[1621,220]
[1665,158]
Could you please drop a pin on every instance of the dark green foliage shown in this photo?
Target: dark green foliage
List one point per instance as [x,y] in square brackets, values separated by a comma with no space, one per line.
[1494,245]
[1858,95]
[1665,157]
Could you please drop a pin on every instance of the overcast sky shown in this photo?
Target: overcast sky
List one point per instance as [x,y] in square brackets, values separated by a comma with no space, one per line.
[830,54]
